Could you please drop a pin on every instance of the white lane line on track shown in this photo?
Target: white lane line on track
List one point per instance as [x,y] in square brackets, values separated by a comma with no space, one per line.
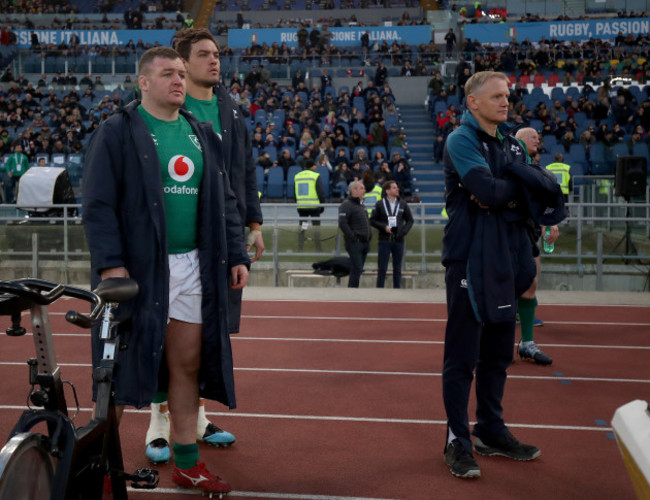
[399,374]
[403,320]
[332,418]
[386,341]
[253,494]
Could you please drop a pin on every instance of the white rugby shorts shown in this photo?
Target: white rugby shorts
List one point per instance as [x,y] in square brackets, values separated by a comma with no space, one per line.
[185,287]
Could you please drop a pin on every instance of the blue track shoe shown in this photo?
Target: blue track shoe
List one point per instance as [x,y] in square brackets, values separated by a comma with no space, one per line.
[213,435]
[538,322]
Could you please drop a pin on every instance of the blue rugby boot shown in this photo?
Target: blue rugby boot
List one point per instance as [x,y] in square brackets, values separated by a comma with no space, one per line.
[157,439]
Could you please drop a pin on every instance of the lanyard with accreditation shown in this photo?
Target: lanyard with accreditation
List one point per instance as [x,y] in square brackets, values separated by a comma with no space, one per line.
[391,212]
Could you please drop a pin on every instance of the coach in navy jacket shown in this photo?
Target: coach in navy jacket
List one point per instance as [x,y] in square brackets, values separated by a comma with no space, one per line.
[125,226]
[489,263]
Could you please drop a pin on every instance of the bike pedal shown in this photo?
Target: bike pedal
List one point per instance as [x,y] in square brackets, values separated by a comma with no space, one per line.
[144,479]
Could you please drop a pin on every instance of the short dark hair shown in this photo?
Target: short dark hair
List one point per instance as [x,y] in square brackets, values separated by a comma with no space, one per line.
[386,186]
[183,40]
[148,57]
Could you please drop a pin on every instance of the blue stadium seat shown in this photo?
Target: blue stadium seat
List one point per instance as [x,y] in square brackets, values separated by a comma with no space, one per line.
[272,151]
[259,174]
[620,149]
[640,149]
[325,178]
[275,183]
[361,128]
[291,175]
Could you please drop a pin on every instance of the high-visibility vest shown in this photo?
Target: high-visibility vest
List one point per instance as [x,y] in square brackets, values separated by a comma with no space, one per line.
[305,188]
[605,185]
[562,174]
[370,199]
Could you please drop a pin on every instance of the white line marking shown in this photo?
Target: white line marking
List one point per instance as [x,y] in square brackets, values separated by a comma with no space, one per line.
[400,320]
[253,494]
[333,418]
[371,372]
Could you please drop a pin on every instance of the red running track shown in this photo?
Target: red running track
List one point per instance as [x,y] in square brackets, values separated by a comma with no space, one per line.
[343,400]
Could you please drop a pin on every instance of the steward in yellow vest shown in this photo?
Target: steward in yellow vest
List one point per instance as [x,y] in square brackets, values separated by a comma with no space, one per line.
[562,173]
[371,198]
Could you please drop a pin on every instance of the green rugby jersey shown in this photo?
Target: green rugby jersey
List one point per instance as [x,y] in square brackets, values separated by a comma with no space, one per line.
[205,111]
[181,164]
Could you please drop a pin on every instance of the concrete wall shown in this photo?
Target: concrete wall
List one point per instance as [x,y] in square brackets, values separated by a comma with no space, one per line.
[560,277]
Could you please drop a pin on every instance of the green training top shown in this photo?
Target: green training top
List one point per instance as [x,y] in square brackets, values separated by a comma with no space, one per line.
[181,164]
[205,111]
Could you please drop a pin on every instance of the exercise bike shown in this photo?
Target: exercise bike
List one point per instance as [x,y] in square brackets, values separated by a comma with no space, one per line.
[68,462]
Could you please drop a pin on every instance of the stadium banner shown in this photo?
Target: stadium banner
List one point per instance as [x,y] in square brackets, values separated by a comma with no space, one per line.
[341,37]
[95,37]
[562,30]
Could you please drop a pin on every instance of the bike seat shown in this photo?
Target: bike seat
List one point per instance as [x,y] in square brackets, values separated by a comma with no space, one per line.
[117,289]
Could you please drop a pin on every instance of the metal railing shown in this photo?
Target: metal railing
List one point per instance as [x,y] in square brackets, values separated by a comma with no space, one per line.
[585,229]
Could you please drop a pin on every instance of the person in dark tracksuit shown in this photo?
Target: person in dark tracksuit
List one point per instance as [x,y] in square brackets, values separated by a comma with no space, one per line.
[392,217]
[486,253]
[353,222]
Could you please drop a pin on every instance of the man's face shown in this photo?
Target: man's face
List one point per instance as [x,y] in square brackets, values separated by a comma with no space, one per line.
[358,191]
[532,143]
[490,103]
[164,82]
[203,66]
[393,190]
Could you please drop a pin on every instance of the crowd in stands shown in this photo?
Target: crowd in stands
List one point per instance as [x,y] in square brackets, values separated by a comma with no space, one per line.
[608,115]
[347,133]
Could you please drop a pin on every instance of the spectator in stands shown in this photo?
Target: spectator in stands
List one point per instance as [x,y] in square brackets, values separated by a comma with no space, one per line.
[325,79]
[460,82]
[381,75]
[407,69]
[450,41]
[298,78]
[624,112]
[16,165]
[399,141]
[587,138]
[438,148]
[378,133]
[436,84]
[356,140]
[377,160]
[401,173]
[264,160]
[286,160]
[341,177]
[634,139]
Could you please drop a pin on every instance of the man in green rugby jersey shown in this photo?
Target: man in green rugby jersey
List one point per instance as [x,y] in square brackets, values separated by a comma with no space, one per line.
[157,207]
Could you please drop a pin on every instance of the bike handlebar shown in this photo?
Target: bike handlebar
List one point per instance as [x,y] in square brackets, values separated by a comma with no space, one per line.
[45,292]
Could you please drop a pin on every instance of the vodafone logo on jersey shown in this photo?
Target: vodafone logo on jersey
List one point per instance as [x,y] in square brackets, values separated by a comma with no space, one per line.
[181,168]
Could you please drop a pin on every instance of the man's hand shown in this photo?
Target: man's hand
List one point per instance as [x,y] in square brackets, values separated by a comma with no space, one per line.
[115,272]
[473,198]
[239,277]
[254,239]
[553,236]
